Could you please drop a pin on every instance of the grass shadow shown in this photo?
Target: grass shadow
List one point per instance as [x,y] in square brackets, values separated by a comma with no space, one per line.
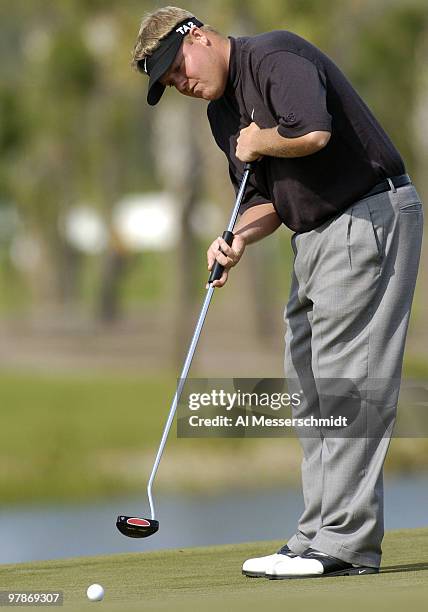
[412,567]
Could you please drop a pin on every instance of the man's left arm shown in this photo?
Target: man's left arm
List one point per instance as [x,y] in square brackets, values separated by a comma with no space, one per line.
[254,143]
[294,90]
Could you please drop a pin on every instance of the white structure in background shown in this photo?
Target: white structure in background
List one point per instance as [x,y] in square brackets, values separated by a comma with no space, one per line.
[141,222]
[84,228]
[147,222]
[151,221]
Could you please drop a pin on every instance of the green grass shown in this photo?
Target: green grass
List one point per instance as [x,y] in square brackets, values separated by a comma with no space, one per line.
[80,437]
[73,438]
[54,428]
[210,579]
[415,367]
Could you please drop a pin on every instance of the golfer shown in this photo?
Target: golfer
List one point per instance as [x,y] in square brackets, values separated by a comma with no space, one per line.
[325,168]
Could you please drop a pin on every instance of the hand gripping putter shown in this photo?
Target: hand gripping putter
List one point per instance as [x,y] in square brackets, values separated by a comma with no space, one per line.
[137,527]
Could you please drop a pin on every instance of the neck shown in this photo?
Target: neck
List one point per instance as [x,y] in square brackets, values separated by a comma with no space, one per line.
[225,49]
[222,46]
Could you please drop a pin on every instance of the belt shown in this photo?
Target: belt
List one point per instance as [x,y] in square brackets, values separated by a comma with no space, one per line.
[397,181]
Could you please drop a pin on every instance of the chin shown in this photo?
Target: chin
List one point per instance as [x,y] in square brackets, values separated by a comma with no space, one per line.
[218,93]
[205,95]
[213,95]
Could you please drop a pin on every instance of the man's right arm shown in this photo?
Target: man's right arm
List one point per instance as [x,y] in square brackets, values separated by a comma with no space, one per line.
[255,223]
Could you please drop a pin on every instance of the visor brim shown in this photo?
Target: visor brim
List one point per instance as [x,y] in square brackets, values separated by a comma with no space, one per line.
[162,66]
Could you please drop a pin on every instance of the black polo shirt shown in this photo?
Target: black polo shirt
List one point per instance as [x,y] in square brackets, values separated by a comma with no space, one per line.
[280,79]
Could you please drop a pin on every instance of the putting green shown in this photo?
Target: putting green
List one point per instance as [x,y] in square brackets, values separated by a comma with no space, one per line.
[210,579]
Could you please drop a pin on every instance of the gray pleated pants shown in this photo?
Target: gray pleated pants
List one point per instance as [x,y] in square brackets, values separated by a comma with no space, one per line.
[347,318]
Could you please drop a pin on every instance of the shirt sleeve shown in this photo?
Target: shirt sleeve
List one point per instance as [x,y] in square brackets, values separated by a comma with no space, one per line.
[294,90]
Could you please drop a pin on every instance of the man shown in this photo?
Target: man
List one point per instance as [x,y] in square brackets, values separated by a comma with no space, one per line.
[326,169]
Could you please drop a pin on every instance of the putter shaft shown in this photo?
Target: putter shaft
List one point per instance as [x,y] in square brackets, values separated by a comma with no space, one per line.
[192,348]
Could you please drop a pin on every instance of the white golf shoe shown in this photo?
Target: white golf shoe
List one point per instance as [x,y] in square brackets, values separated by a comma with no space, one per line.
[261,566]
[315,564]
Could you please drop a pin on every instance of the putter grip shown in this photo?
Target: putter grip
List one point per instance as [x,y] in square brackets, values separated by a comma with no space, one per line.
[217,269]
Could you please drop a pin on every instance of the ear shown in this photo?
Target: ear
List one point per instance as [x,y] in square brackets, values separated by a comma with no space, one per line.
[199,36]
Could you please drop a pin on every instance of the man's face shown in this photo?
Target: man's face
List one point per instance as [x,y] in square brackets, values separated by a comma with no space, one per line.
[198,70]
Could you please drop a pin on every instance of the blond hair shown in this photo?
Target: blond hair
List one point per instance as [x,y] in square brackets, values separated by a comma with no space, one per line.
[156,26]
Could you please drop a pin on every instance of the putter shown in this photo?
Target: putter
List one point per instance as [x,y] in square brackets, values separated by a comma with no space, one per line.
[137,527]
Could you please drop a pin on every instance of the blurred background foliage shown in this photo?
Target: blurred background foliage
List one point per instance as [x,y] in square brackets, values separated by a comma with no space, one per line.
[107,207]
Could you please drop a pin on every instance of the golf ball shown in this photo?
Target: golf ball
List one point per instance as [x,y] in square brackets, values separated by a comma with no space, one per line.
[95,592]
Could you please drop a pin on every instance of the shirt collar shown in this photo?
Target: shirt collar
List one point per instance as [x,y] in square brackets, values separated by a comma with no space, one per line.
[234,63]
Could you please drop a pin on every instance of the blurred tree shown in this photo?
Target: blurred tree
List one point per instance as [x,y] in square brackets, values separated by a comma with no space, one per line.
[420,142]
[77,129]
[384,66]
[74,126]
[177,147]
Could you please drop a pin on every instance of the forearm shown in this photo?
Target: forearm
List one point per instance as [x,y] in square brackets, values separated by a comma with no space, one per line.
[257,222]
[270,142]
[254,143]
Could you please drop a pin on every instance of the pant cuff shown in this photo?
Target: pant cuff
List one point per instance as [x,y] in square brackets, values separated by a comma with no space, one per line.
[298,544]
[340,551]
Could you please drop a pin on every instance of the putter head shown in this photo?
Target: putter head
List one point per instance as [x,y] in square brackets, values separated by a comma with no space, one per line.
[135,527]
